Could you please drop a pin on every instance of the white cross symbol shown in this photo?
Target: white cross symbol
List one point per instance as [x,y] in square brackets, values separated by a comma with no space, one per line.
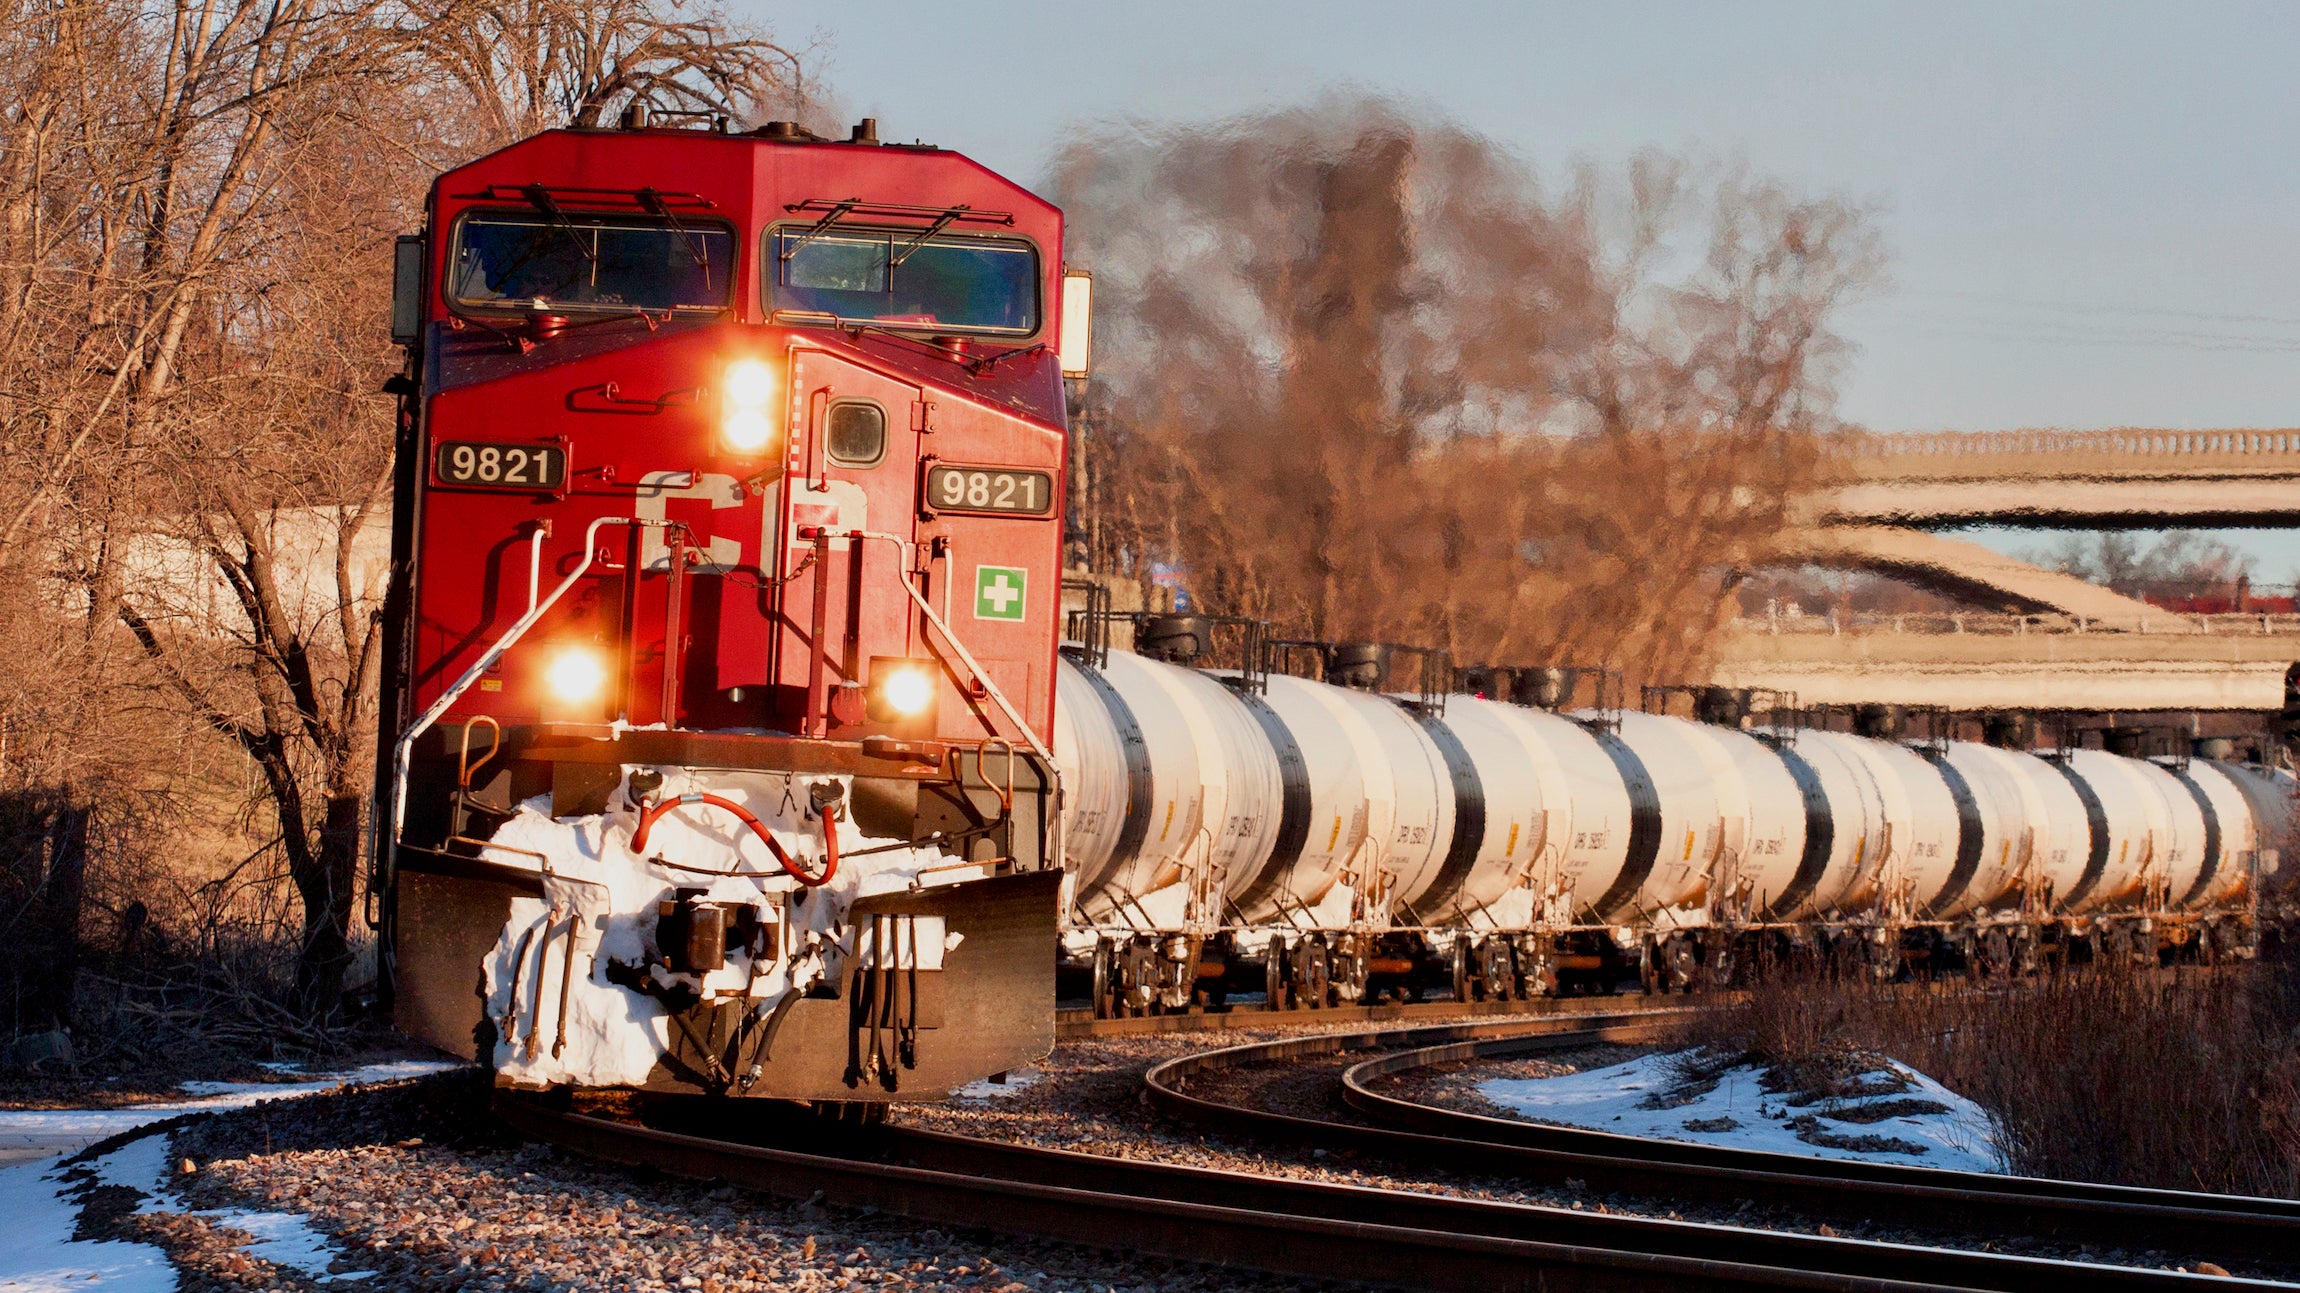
[1000,594]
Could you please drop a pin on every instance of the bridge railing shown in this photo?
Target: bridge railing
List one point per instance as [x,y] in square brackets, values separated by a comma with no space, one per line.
[1966,453]
[2168,623]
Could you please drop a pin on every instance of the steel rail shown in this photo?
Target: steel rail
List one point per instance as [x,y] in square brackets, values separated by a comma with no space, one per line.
[1394,1111]
[1300,1228]
[1223,1236]
[1970,1205]
[1073,1022]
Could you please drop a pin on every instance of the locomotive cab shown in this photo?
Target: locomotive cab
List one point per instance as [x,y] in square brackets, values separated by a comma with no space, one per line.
[721,650]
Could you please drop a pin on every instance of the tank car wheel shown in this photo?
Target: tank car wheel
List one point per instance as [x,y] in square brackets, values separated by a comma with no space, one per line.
[1105,991]
[1461,980]
[1313,982]
[1720,964]
[1497,969]
[1993,951]
[1679,964]
[1648,968]
[1274,995]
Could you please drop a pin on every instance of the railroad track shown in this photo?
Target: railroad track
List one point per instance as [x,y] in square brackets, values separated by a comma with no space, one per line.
[1301,1228]
[1083,1022]
[1968,1207]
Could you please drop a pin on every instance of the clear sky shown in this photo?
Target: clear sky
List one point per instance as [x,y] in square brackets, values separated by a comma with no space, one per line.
[2093,210]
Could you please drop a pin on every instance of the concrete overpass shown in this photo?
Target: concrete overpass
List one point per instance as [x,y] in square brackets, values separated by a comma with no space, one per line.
[1874,501]
[2157,661]
[2127,478]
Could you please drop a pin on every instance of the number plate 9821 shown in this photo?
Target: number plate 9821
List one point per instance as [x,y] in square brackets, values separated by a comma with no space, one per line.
[472,465]
[989,489]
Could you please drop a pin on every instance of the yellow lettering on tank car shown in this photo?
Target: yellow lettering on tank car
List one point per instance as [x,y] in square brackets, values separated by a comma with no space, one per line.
[1511,851]
[1169,824]
[1688,846]
[1336,837]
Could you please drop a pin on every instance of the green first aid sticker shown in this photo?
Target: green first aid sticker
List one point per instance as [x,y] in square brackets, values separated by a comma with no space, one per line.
[998,592]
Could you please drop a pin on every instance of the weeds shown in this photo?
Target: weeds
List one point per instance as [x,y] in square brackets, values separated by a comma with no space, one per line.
[2181,1079]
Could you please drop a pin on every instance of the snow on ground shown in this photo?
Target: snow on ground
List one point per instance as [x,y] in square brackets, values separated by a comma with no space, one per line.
[38,1133]
[1739,1113]
[39,1253]
[985,1089]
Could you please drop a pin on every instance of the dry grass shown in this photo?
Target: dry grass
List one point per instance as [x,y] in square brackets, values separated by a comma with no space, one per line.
[2180,1080]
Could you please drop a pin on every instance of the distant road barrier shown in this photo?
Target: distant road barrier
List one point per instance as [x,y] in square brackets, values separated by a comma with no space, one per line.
[2170,623]
[1990,453]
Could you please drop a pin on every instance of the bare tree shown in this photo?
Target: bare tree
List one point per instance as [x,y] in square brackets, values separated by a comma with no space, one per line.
[196,209]
[1370,381]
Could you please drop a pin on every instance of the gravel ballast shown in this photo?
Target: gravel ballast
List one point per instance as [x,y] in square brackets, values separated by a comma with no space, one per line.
[417,1187]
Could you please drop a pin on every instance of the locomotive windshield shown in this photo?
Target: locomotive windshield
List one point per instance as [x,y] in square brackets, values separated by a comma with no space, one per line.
[895,279]
[573,261]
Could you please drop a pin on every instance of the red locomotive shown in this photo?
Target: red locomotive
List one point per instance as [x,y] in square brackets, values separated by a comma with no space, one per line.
[721,654]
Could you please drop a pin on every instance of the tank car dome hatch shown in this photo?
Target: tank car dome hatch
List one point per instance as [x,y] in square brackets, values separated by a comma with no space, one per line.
[2009,731]
[1881,722]
[1484,682]
[2212,747]
[1176,639]
[1723,706]
[1544,687]
[1360,666]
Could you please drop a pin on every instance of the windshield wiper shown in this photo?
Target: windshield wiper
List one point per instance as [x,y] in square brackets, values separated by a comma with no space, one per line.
[696,247]
[540,198]
[820,227]
[941,223]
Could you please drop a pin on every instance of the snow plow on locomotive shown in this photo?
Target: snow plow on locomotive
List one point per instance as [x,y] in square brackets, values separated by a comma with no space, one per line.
[720,654]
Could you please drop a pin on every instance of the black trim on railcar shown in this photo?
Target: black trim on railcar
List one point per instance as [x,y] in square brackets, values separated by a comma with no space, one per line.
[1820,833]
[1644,822]
[1138,786]
[1968,833]
[1468,813]
[1293,799]
[2096,821]
[2211,865]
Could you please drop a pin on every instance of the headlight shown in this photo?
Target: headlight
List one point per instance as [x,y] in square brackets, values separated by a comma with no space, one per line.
[575,675]
[747,430]
[900,689]
[749,388]
[750,384]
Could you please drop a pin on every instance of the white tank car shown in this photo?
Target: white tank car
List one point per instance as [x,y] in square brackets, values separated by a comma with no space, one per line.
[2251,857]
[2131,823]
[1202,792]
[1588,822]
[1842,861]
[1693,787]
[1511,810]
[1330,803]
[1402,865]
[2006,804]
[1364,835]
[2232,836]
[1764,852]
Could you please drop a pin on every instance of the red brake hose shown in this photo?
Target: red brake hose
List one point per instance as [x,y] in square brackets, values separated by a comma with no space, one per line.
[758,828]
